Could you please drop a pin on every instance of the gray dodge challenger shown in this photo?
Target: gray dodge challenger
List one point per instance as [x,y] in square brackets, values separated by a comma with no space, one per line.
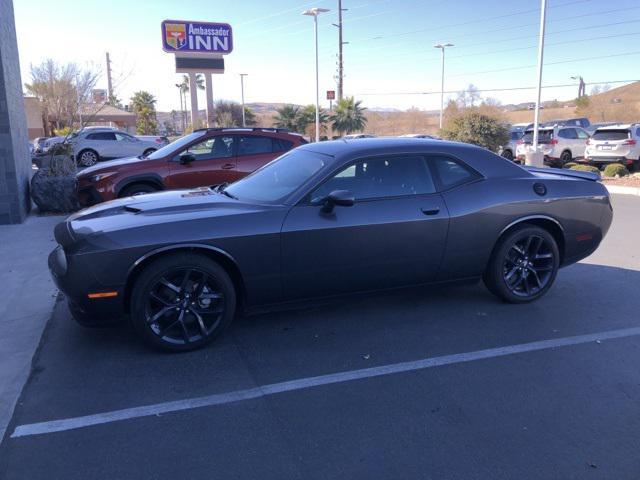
[326,219]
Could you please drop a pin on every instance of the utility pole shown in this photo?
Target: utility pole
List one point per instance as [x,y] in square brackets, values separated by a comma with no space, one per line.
[340,45]
[109,82]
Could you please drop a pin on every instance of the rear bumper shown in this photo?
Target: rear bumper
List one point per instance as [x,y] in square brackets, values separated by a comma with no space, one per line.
[604,160]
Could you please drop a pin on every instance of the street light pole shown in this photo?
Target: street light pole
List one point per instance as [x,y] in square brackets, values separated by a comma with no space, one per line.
[242,75]
[314,12]
[543,15]
[442,46]
[179,85]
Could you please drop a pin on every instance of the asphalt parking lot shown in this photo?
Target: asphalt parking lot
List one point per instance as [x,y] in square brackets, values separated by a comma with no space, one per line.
[441,383]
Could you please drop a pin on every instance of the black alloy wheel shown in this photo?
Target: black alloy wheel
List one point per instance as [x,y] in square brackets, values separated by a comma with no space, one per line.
[182,302]
[508,154]
[566,157]
[524,265]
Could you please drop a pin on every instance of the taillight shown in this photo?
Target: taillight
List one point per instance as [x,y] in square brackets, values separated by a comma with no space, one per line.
[158,140]
[588,141]
[554,141]
[520,142]
[630,142]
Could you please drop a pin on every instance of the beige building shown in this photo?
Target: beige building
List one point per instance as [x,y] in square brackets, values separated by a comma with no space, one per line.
[92,114]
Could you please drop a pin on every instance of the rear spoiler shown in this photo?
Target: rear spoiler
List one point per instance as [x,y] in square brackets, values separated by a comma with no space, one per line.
[594,177]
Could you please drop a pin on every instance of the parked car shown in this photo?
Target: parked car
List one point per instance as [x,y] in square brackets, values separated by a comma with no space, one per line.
[203,158]
[352,136]
[324,219]
[559,144]
[420,135]
[90,145]
[569,122]
[615,144]
[50,142]
[508,151]
[159,140]
[38,145]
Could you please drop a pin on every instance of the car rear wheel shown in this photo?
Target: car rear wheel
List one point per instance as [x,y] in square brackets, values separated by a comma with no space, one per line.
[182,302]
[87,158]
[523,265]
[508,154]
[137,189]
[566,157]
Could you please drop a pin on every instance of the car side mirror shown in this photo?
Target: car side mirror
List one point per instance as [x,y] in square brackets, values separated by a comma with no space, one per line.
[342,198]
[187,158]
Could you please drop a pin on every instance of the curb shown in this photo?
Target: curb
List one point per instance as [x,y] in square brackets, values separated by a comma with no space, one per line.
[623,190]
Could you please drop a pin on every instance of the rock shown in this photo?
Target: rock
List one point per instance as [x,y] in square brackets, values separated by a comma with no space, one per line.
[54,193]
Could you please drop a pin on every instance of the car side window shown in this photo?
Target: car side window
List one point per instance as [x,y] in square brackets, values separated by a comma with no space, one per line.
[254,145]
[101,136]
[280,145]
[381,177]
[569,133]
[212,148]
[582,134]
[450,172]
[123,137]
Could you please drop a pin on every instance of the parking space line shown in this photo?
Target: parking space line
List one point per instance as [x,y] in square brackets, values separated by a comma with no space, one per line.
[310,382]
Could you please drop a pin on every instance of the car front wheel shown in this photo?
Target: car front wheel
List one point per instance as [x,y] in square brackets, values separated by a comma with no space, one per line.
[87,158]
[523,265]
[508,154]
[182,302]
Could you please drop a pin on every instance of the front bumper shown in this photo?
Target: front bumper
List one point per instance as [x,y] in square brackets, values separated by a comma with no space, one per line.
[73,278]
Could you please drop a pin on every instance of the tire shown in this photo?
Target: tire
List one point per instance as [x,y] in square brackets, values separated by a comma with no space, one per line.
[635,166]
[87,158]
[137,189]
[148,151]
[565,157]
[508,154]
[519,253]
[165,315]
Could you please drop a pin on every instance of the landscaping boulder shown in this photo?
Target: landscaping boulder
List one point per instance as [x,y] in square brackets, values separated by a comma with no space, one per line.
[53,188]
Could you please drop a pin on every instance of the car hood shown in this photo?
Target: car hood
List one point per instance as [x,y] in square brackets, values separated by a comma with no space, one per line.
[105,166]
[142,211]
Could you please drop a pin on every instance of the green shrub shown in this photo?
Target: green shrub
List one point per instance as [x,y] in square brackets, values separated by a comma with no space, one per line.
[615,169]
[570,165]
[471,126]
[586,168]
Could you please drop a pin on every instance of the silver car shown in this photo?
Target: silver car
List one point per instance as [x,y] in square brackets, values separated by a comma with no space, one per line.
[94,144]
[560,144]
[615,144]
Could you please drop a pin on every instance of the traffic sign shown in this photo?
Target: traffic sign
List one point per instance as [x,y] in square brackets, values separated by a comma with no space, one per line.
[331,94]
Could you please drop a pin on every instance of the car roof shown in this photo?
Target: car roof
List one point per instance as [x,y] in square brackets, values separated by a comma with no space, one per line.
[617,126]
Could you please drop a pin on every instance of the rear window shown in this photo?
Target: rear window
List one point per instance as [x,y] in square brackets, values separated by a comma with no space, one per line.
[516,135]
[611,135]
[543,136]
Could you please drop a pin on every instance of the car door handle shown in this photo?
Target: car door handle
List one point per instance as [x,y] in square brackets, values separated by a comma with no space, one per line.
[228,166]
[430,211]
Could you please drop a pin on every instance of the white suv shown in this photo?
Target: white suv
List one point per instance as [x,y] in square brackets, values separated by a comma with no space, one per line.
[93,144]
[560,144]
[615,144]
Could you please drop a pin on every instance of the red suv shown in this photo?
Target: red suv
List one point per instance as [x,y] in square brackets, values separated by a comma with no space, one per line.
[203,158]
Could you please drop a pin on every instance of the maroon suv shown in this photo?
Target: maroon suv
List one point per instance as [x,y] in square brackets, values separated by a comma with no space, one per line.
[203,158]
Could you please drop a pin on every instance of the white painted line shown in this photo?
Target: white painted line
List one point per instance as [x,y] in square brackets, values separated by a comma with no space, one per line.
[623,190]
[310,382]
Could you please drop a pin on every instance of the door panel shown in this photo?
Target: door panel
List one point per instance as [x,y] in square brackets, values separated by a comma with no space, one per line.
[215,163]
[373,244]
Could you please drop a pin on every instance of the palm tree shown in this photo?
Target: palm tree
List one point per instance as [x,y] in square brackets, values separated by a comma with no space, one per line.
[287,117]
[307,119]
[184,86]
[143,104]
[349,116]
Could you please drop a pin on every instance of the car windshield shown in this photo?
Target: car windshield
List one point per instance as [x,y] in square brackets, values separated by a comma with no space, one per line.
[175,146]
[544,136]
[612,135]
[279,178]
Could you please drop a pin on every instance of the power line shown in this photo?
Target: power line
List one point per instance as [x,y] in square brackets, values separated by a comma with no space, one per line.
[487,90]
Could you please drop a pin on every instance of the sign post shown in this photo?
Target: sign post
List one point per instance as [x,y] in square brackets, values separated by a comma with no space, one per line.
[331,96]
[198,47]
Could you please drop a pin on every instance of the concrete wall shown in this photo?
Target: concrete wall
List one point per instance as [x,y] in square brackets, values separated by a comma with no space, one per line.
[15,164]
[33,110]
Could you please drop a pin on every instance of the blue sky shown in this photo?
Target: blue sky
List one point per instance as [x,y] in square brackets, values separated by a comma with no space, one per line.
[390,48]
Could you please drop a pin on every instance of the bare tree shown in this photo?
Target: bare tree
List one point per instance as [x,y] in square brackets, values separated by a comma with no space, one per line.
[62,90]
